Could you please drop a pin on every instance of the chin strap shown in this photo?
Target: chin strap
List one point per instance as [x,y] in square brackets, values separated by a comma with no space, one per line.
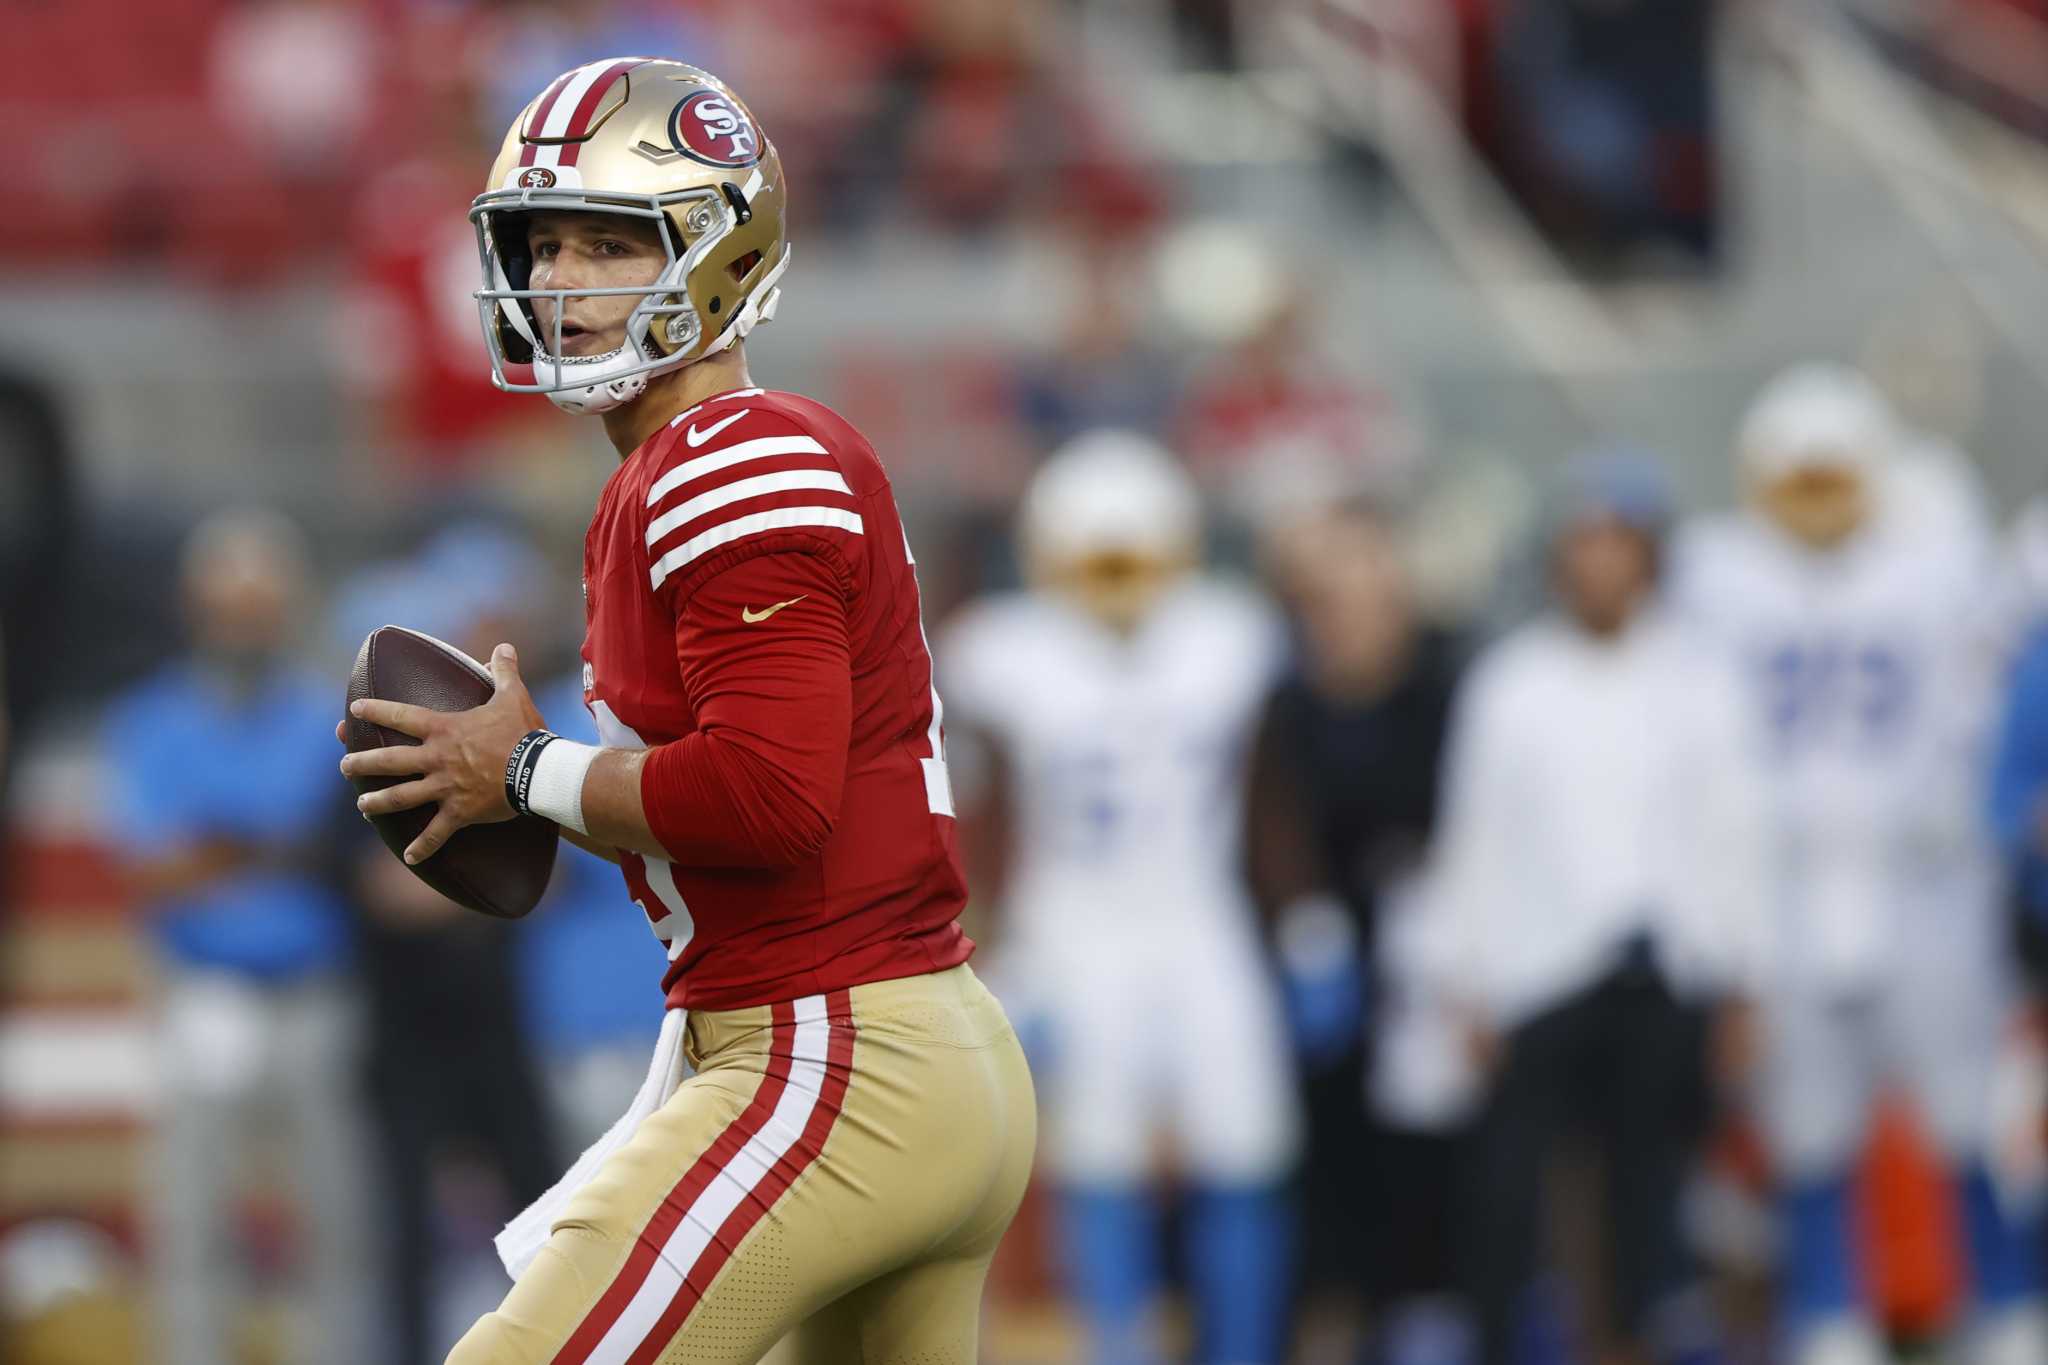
[591,399]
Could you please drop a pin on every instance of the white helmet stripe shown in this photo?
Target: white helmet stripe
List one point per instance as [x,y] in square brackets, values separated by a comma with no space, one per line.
[563,111]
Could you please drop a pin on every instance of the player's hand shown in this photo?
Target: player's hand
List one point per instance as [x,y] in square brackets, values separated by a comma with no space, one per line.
[1486,1048]
[459,761]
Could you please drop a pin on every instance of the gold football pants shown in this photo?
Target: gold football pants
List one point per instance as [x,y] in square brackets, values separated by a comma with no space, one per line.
[838,1171]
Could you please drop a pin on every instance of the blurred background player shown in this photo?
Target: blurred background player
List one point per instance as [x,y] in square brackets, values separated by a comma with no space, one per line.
[1857,622]
[227,823]
[1340,808]
[1600,867]
[1118,695]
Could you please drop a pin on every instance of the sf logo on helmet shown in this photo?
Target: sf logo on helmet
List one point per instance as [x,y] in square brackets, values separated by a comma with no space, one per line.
[536,178]
[709,127]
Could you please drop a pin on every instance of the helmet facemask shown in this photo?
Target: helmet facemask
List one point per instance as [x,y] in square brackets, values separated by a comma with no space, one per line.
[665,330]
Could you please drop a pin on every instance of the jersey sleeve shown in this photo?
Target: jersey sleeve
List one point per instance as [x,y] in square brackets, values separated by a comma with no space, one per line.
[732,485]
[764,656]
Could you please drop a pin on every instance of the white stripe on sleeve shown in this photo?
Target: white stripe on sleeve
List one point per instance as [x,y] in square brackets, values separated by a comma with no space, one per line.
[761,448]
[823,480]
[727,532]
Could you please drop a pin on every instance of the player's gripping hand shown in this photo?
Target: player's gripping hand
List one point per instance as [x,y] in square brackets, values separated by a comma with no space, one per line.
[459,761]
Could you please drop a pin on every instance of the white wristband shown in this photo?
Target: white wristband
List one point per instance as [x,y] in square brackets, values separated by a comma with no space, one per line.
[556,790]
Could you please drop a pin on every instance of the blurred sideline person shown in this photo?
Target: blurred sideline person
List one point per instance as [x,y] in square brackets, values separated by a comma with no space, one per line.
[1118,694]
[2019,803]
[225,804]
[1599,869]
[452,1071]
[1855,621]
[837,1124]
[1340,808]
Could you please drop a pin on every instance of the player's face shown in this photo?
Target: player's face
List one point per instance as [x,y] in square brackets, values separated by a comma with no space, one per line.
[1118,587]
[241,605]
[1820,505]
[1350,591]
[1605,568]
[591,251]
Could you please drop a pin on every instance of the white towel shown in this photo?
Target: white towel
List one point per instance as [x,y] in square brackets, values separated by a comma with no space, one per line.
[525,1235]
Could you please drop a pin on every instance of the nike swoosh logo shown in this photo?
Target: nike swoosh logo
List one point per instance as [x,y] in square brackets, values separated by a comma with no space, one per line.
[752,617]
[697,438]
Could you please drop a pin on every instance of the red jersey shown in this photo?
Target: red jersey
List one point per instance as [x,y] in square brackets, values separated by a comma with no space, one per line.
[753,618]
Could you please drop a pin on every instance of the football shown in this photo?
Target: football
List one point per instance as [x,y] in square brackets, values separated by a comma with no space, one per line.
[498,869]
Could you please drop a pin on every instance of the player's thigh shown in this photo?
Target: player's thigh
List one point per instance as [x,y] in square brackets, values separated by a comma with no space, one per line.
[614,1279]
[1235,1111]
[1817,1082]
[927,1314]
[871,1132]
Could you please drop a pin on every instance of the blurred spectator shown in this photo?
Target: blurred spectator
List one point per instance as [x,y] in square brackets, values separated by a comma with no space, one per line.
[588,969]
[1607,114]
[1342,800]
[1856,621]
[224,767]
[451,1068]
[1103,369]
[1119,693]
[2019,799]
[405,338]
[1208,31]
[1270,391]
[295,80]
[1601,866]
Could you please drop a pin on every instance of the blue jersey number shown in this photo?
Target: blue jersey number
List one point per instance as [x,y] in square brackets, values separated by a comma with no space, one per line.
[1829,692]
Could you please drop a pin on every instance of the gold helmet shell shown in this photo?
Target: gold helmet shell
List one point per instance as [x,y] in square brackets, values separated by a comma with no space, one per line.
[647,138]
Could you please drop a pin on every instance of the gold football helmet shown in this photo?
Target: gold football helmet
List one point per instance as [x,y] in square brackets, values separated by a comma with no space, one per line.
[649,139]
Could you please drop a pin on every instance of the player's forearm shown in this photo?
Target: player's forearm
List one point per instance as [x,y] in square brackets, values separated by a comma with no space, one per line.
[699,802]
[613,812]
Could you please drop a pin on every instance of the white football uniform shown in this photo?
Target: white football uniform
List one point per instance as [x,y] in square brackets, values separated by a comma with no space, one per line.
[1128,942]
[1867,667]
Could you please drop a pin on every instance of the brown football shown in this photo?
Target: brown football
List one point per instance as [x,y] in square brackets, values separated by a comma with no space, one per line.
[499,869]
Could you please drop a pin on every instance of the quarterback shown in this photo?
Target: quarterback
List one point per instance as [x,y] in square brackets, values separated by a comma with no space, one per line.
[772,782]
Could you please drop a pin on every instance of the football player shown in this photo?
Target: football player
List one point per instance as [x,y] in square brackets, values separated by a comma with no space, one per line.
[772,782]
[1853,618]
[1118,696]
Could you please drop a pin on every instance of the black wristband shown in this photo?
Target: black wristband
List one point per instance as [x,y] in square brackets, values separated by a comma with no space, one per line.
[519,767]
